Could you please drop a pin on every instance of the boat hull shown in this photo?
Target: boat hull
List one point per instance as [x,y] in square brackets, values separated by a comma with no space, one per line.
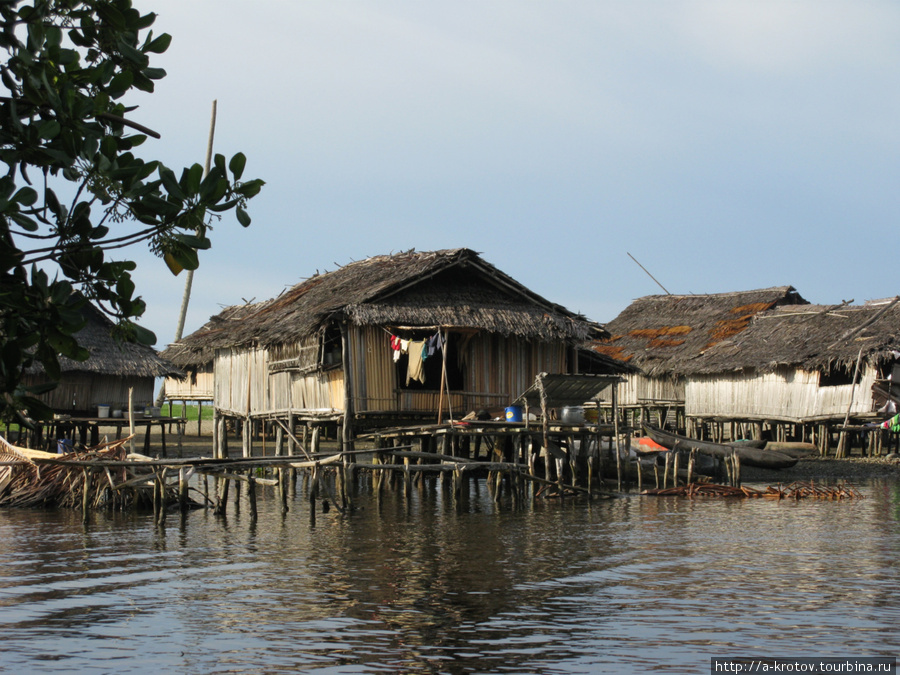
[764,459]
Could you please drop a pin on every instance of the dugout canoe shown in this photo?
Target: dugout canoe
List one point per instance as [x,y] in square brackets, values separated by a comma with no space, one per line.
[764,459]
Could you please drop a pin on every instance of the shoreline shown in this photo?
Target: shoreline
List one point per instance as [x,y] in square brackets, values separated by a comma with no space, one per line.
[826,468]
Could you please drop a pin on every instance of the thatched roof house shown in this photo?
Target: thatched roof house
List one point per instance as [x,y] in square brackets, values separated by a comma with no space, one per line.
[798,364]
[664,335]
[195,383]
[343,340]
[105,377]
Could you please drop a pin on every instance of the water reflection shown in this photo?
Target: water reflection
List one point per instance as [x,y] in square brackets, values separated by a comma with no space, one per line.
[422,583]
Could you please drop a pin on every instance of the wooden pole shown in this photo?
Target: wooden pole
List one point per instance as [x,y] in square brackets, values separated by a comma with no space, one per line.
[347,427]
[131,418]
[842,443]
[443,381]
[251,495]
[615,407]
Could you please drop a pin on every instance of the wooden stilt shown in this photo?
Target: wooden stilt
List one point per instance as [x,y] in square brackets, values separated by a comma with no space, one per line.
[251,495]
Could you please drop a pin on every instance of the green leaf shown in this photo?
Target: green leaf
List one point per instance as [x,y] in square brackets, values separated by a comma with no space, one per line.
[24,222]
[190,179]
[143,336]
[171,183]
[160,44]
[120,84]
[250,188]
[26,196]
[237,165]
[194,241]
[154,73]
[242,216]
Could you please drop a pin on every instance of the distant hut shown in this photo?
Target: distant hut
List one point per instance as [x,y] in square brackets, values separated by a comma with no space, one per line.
[802,364]
[663,335]
[105,378]
[196,381]
[348,344]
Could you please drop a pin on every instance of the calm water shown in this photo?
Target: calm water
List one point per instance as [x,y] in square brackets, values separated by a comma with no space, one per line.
[429,586]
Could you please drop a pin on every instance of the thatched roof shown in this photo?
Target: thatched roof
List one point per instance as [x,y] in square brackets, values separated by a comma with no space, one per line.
[664,334]
[811,337]
[189,355]
[110,355]
[453,288]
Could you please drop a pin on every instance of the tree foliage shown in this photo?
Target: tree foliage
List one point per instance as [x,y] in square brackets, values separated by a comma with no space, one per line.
[75,190]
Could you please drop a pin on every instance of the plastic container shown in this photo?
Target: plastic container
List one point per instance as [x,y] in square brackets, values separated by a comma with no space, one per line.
[572,414]
[514,413]
[102,411]
[64,446]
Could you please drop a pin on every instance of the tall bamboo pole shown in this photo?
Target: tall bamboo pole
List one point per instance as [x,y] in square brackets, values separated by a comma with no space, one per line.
[189,279]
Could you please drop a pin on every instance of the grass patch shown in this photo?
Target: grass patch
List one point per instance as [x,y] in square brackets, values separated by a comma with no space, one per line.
[190,411]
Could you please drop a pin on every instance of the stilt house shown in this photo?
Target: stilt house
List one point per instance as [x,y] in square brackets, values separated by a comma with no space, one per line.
[802,364]
[663,335]
[106,376]
[196,383]
[415,335]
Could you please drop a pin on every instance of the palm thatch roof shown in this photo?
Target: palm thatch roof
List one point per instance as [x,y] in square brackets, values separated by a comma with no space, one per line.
[811,337]
[111,355]
[452,288]
[664,334]
[187,354]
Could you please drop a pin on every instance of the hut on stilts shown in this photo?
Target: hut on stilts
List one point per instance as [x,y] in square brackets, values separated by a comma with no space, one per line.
[386,348]
[662,335]
[195,383]
[808,373]
[118,375]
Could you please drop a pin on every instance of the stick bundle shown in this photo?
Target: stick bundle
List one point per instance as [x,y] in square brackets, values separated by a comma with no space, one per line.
[800,490]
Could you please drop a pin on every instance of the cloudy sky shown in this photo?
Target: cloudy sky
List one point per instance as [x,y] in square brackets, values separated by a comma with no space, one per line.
[725,145]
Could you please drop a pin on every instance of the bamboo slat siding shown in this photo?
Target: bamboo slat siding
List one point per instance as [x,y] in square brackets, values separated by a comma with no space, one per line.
[374,378]
[197,386]
[787,394]
[639,389]
[496,370]
[318,391]
[85,391]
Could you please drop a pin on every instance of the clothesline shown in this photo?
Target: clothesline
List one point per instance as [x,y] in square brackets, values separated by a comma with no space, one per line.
[417,351]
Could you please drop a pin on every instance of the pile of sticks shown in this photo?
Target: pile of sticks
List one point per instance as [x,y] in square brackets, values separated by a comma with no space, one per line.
[800,490]
[30,478]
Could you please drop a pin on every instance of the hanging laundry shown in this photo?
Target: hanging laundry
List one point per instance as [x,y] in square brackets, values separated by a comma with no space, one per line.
[395,347]
[416,368]
[435,342]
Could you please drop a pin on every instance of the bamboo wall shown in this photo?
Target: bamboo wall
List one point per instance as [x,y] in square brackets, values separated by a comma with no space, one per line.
[496,371]
[787,394]
[83,392]
[197,386]
[640,389]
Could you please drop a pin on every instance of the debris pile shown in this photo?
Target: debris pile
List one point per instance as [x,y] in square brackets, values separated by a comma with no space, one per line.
[799,490]
[78,479]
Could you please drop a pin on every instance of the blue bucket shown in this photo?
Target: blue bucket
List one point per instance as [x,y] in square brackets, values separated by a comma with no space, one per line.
[514,413]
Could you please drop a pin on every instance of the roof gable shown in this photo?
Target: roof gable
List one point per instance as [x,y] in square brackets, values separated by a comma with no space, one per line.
[662,334]
[452,288]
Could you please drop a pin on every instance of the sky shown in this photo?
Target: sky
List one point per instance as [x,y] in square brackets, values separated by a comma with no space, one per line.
[726,146]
